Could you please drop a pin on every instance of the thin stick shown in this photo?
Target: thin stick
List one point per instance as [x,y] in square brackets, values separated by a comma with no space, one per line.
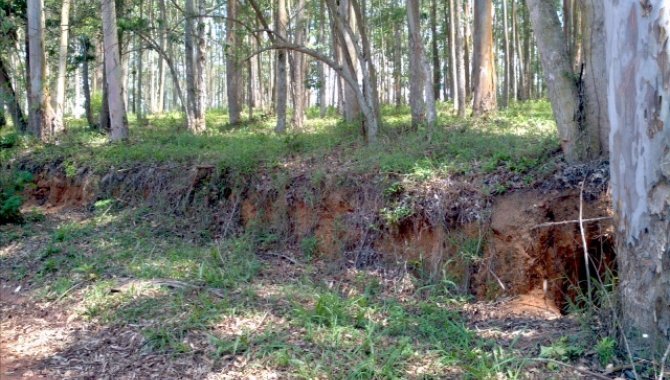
[551,224]
[584,371]
[583,233]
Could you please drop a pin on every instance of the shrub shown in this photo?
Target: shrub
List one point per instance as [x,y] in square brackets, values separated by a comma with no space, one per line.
[11,187]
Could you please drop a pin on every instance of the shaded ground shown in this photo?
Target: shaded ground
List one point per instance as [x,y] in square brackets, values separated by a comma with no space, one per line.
[117,295]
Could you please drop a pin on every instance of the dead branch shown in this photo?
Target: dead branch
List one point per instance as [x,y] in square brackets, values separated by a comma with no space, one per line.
[572,221]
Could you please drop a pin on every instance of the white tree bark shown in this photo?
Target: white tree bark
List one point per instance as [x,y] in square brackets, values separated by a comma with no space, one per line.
[595,77]
[41,120]
[638,58]
[417,74]
[62,62]
[422,99]
[557,67]
[117,109]
[281,21]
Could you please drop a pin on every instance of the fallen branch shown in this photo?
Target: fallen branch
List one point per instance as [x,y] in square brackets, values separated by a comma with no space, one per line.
[564,222]
[176,285]
[584,371]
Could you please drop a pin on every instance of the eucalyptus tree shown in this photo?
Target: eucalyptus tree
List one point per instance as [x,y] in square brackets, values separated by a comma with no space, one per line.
[42,119]
[116,106]
[483,68]
[638,59]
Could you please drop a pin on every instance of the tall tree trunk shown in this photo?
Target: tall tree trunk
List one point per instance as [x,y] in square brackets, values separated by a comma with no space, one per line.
[517,63]
[507,87]
[397,67]
[321,96]
[299,67]
[105,123]
[468,50]
[281,21]
[556,64]
[639,112]
[62,64]
[200,66]
[483,68]
[116,106]
[8,94]
[422,101]
[435,50]
[527,56]
[416,73]
[190,65]
[162,34]
[11,101]
[42,119]
[595,77]
[140,79]
[454,21]
[349,59]
[85,53]
[461,68]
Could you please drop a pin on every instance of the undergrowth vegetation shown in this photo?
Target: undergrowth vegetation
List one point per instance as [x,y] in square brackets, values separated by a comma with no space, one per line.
[221,299]
[518,139]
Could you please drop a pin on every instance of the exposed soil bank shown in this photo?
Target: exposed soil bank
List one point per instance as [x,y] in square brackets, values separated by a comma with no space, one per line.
[486,245]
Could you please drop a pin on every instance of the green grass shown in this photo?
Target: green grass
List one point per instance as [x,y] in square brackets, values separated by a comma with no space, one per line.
[107,263]
[304,327]
[518,139]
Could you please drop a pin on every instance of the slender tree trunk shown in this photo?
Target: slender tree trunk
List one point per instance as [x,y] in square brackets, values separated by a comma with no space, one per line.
[321,97]
[435,50]
[517,64]
[190,65]
[281,22]
[299,68]
[454,44]
[422,101]
[507,87]
[42,119]
[162,34]
[461,68]
[62,64]
[140,79]
[397,67]
[85,52]
[639,112]
[527,56]
[8,94]
[561,87]
[116,106]
[200,67]
[105,123]
[466,19]
[483,68]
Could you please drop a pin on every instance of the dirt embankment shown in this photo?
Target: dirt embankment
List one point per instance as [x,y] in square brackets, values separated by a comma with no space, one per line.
[490,246]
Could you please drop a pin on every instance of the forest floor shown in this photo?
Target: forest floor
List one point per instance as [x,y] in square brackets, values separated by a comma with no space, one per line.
[114,295]
[99,288]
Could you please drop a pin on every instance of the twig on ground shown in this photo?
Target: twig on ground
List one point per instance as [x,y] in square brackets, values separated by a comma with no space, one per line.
[279,255]
[584,371]
[65,293]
